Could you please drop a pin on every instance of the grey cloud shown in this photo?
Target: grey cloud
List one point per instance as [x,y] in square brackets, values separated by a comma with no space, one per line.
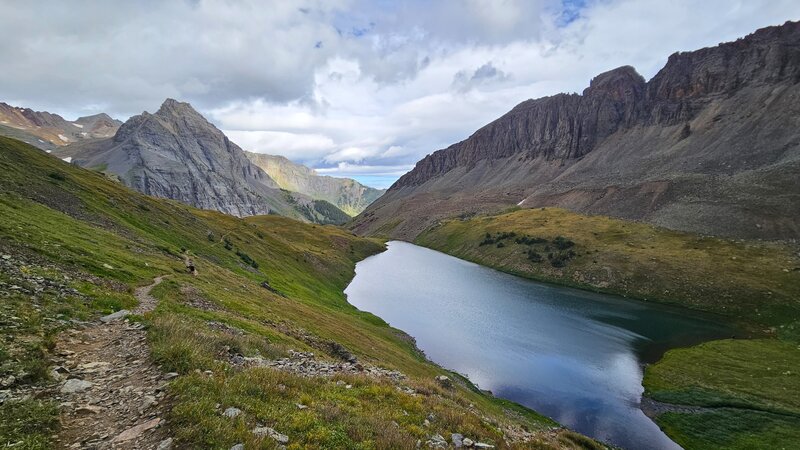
[486,74]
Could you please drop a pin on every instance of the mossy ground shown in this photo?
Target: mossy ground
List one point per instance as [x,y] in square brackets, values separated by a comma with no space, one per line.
[108,240]
[744,392]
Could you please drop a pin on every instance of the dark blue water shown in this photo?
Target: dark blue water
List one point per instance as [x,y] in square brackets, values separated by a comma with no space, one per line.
[572,355]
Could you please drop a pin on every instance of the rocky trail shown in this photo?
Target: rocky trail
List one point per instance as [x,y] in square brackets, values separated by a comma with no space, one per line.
[112,395]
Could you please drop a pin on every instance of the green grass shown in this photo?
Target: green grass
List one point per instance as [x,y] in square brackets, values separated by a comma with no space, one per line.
[754,283]
[104,240]
[747,391]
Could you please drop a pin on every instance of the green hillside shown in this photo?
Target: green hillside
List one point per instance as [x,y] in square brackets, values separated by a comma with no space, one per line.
[75,245]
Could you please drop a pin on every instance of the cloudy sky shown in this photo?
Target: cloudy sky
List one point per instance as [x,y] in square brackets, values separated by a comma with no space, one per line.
[349,87]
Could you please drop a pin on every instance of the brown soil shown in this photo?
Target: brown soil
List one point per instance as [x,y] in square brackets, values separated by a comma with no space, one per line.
[124,407]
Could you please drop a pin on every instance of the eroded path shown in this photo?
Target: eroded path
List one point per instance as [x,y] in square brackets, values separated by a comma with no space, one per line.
[112,395]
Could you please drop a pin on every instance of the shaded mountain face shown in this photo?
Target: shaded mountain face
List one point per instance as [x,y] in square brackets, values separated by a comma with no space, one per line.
[48,131]
[348,195]
[177,154]
[711,144]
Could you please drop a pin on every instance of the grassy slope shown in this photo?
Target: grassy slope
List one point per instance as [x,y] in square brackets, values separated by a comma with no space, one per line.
[752,282]
[62,221]
[747,391]
[748,387]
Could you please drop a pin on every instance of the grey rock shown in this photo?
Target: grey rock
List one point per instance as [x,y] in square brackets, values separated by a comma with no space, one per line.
[75,385]
[238,447]
[482,445]
[119,315]
[267,431]
[468,442]
[436,441]
[457,440]
[166,444]
[444,381]
[232,412]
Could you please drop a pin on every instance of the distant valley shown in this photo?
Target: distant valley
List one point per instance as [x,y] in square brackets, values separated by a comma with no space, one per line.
[348,195]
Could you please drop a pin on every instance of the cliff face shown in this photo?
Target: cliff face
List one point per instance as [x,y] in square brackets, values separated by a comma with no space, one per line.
[177,154]
[714,133]
[348,195]
[48,131]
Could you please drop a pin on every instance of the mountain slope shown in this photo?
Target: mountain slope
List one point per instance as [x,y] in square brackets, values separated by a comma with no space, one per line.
[75,245]
[177,154]
[716,133]
[348,195]
[48,131]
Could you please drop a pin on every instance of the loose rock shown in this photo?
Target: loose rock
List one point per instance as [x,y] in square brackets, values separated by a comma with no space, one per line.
[232,412]
[75,385]
[119,315]
[136,431]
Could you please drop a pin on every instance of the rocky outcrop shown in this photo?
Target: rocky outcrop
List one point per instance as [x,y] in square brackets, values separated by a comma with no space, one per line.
[713,134]
[177,154]
[348,195]
[48,131]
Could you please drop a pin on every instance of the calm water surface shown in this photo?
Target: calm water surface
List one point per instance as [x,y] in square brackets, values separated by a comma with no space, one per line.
[572,355]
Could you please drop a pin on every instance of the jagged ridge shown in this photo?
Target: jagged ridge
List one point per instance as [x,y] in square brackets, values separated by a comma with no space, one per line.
[713,134]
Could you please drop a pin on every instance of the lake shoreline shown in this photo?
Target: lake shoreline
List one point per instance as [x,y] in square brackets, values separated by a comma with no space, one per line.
[415,306]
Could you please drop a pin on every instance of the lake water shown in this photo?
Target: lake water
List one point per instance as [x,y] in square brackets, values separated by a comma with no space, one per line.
[572,355]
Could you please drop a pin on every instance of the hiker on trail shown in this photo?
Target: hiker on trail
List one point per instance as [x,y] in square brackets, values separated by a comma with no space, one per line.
[190,267]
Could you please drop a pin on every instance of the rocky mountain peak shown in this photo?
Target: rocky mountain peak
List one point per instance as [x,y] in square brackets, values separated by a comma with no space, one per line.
[621,82]
[172,107]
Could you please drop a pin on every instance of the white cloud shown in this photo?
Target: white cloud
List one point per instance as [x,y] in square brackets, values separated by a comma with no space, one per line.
[346,86]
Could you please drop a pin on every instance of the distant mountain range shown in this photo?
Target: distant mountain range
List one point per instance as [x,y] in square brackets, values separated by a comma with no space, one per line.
[711,144]
[348,195]
[177,154]
[49,131]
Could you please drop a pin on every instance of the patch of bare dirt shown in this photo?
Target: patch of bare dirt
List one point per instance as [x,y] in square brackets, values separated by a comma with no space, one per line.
[112,396]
